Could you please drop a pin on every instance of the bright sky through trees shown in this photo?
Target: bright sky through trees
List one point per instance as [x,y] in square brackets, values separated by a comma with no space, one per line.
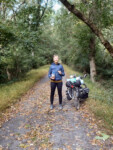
[57,7]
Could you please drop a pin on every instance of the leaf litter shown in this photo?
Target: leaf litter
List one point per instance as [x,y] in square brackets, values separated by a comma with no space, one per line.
[32,126]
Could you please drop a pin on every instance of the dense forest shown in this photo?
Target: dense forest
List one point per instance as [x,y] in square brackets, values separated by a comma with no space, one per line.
[31,31]
[80,32]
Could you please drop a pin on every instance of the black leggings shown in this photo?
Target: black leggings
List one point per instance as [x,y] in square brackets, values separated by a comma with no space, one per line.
[59,88]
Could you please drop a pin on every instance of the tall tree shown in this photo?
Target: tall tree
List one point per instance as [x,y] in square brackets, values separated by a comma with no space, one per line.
[93,27]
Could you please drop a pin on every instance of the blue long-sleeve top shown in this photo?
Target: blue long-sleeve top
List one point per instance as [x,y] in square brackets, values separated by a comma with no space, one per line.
[54,68]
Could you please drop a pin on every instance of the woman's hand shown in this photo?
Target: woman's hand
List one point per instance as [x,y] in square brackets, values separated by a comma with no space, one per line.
[59,72]
[52,77]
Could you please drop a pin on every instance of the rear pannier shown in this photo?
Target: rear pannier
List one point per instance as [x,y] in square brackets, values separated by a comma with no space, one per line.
[83,93]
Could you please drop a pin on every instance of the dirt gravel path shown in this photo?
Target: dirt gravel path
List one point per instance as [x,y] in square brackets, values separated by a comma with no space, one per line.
[33,126]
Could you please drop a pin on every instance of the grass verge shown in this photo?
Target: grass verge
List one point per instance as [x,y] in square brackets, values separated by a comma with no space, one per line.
[100,100]
[10,93]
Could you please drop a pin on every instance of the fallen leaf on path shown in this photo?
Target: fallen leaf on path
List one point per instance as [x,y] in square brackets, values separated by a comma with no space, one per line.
[102,137]
[23,146]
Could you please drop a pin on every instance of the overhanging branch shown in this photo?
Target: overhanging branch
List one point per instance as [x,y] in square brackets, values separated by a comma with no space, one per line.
[92,26]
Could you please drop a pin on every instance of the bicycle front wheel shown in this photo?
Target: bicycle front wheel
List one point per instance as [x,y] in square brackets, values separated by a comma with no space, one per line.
[76,101]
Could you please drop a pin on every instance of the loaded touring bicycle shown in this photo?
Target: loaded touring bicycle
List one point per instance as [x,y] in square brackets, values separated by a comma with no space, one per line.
[76,90]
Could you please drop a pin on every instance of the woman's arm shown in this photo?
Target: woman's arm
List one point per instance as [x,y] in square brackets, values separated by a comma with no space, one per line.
[62,71]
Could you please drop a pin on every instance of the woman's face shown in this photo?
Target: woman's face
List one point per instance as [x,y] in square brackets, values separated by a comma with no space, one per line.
[55,59]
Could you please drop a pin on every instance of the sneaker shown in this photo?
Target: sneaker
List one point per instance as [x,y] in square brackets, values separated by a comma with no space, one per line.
[60,106]
[51,106]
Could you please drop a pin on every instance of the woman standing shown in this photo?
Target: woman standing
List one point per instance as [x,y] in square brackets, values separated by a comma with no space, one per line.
[56,71]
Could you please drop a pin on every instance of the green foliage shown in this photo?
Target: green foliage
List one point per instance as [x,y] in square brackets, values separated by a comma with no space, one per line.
[75,37]
[22,45]
[31,32]
[104,63]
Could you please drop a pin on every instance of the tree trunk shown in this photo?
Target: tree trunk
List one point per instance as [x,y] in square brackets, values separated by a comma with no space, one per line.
[40,13]
[93,72]
[92,26]
[92,69]
[8,74]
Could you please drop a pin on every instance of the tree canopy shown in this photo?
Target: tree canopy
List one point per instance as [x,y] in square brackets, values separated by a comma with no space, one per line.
[31,31]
